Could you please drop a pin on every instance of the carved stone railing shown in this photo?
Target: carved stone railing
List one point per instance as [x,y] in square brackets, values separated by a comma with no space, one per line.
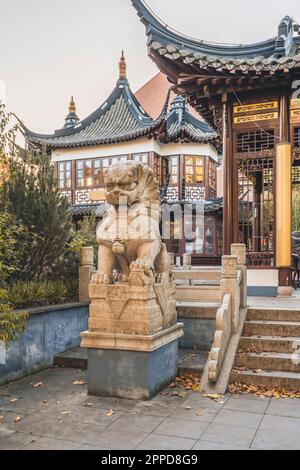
[221,339]
[233,299]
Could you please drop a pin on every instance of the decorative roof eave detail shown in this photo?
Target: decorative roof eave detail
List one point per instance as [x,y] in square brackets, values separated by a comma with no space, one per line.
[279,53]
[106,119]
[182,126]
[155,28]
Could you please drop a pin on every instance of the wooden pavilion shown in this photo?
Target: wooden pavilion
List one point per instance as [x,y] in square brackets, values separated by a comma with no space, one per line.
[248,94]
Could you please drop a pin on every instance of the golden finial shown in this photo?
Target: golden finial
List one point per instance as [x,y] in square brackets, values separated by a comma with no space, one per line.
[122,66]
[72,106]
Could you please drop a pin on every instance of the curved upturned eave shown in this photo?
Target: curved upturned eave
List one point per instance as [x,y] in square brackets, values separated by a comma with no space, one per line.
[91,143]
[157,31]
[144,124]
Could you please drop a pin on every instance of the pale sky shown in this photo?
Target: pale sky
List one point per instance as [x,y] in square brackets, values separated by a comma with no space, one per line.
[52,49]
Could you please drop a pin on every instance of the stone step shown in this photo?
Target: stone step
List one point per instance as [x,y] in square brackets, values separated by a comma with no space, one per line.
[198,293]
[292,314]
[276,379]
[272,328]
[269,343]
[190,361]
[270,361]
[74,359]
[197,309]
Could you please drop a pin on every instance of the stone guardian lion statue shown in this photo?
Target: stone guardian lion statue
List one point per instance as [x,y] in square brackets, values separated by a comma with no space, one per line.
[129,236]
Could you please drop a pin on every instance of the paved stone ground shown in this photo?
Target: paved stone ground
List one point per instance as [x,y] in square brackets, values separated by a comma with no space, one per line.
[275,302]
[59,415]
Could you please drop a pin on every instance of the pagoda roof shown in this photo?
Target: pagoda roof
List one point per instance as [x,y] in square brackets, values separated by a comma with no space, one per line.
[278,53]
[182,125]
[120,118]
[202,70]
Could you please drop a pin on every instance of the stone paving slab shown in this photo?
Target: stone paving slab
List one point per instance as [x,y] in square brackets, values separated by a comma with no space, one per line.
[57,414]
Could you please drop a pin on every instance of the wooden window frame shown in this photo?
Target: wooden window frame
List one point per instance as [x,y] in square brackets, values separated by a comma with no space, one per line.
[65,186]
[195,159]
[139,157]
[172,183]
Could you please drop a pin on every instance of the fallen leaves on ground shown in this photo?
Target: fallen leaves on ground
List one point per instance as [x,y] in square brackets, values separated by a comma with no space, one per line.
[215,397]
[79,382]
[262,392]
[110,413]
[178,394]
[239,370]
[212,396]
[187,382]
[17,419]
[37,385]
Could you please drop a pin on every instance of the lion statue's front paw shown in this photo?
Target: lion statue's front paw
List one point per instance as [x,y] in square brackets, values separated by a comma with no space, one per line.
[119,277]
[141,273]
[102,278]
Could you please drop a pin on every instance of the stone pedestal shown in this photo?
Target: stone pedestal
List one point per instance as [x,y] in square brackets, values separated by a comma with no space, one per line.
[132,340]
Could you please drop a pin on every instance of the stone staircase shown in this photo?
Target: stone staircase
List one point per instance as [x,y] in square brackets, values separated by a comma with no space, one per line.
[269,349]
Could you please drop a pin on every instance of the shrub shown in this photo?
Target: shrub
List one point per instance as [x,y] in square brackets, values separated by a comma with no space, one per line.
[15,242]
[12,325]
[26,294]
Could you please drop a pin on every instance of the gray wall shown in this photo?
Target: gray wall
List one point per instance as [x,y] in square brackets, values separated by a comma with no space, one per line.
[198,333]
[50,330]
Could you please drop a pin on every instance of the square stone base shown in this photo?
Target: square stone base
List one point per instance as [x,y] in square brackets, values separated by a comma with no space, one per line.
[135,375]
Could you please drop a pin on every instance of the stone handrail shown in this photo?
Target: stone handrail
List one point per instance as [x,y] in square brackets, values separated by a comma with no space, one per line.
[233,299]
[221,339]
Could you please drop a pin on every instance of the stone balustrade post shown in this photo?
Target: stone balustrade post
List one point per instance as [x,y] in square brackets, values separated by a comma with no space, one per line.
[86,269]
[187,261]
[239,250]
[172,259]
[230,285]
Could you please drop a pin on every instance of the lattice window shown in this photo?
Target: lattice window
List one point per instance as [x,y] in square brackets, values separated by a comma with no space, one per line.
[255,141]
[297,137]
[256,209]
[296,174]
[212,178]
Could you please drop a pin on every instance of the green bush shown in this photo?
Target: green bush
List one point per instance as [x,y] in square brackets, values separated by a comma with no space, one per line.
[15,243]
[26,294]
[12,325]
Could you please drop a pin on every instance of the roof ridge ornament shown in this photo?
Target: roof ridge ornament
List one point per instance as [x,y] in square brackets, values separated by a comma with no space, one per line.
[72,119]
[122,68]
[284,41]
[72,106]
